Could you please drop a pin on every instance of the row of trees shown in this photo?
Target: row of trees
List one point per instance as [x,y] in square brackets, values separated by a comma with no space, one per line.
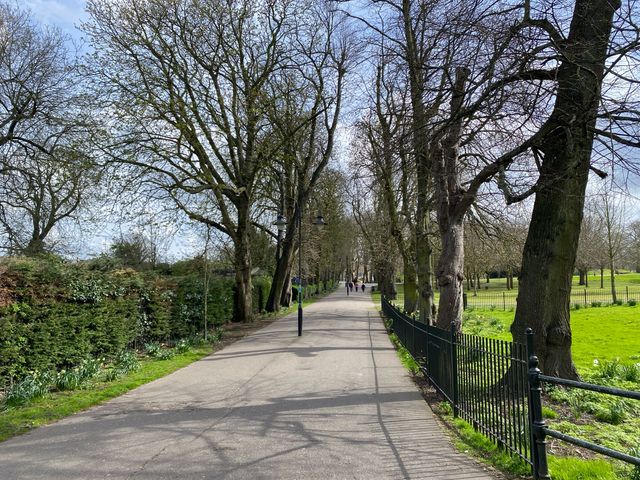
[479,104]
[229,112]
[223,112]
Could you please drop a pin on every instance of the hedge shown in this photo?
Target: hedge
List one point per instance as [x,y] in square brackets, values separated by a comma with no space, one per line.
[54,314]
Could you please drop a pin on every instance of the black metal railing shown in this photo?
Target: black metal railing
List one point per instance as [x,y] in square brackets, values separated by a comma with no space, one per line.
[494,385]
[485,380]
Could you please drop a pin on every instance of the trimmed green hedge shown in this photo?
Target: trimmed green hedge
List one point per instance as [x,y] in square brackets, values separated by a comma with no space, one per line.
[55,314]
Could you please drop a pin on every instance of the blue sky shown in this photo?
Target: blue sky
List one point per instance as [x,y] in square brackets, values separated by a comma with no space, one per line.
[65,14]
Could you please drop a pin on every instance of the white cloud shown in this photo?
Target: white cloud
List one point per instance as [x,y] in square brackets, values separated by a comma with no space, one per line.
[65,14]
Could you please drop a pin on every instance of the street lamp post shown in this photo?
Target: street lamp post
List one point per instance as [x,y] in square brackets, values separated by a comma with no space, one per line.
[281,223]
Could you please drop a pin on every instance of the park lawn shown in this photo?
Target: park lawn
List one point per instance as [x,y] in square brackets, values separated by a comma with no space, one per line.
[602,333]
[623,279]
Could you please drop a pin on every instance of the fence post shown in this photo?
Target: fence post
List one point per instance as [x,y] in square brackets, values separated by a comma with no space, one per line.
[454,370]
[536,422]
[627,292]
[585,297]
[504,302]
[464,301]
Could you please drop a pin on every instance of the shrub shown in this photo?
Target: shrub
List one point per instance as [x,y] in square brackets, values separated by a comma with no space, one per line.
[631,373]
[617,302]
[261,288]
[152,349]
[67,380]
[549,412]
[632,303]
[596,304]
[124,363]
[166,354]
[576,306]
[34,385]
[183,345]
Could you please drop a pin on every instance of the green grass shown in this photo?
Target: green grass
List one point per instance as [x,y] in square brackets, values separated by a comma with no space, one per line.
[602,333]
[58,405]
[570,468]
[487,450]
[608,334]
[623,279]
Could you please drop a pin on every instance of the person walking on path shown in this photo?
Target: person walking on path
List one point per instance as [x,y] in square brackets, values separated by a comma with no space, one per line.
[273,405]
[346,284]
[363,287]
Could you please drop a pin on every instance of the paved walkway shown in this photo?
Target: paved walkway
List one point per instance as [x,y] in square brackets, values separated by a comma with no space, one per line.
[333,404]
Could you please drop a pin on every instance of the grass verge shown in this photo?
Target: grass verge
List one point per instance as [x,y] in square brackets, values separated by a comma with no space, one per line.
[57,405]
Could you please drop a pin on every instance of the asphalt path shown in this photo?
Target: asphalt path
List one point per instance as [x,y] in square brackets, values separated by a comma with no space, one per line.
[335,403]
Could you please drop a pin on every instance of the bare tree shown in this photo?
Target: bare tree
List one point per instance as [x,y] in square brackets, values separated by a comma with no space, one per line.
[189,85]
[37,77]
[38,192]
[611,213]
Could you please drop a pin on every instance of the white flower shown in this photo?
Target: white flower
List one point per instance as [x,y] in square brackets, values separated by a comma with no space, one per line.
[595,362]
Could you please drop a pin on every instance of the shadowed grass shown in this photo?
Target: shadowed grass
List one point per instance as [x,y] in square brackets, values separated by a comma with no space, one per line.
[58,405]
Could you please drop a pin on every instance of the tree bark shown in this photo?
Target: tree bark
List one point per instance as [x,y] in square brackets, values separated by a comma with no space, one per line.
[614,295]
[451,208]
[550,249]
[410,286]
[280,276]
[242,305]
[450,276]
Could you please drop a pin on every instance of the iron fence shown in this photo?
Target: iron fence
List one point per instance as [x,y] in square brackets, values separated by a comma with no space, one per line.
[485,380]
[583,297]
[495,386]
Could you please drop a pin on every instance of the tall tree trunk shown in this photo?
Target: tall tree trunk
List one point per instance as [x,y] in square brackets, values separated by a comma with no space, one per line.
[285,298]
[451,208]
[450,276]
[550,249]
[601,278]
[581,275]
[280,276]
[410,286]
[420,148]
[242,304]
[614,296]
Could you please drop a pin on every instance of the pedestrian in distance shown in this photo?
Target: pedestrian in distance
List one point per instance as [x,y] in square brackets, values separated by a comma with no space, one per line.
[363,287]
[351,286]
[346,284]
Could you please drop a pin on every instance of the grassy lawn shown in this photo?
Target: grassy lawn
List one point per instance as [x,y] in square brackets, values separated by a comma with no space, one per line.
[623,279]
[602,333]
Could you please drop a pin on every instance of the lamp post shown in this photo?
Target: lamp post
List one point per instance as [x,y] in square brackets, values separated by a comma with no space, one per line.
[281,223]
